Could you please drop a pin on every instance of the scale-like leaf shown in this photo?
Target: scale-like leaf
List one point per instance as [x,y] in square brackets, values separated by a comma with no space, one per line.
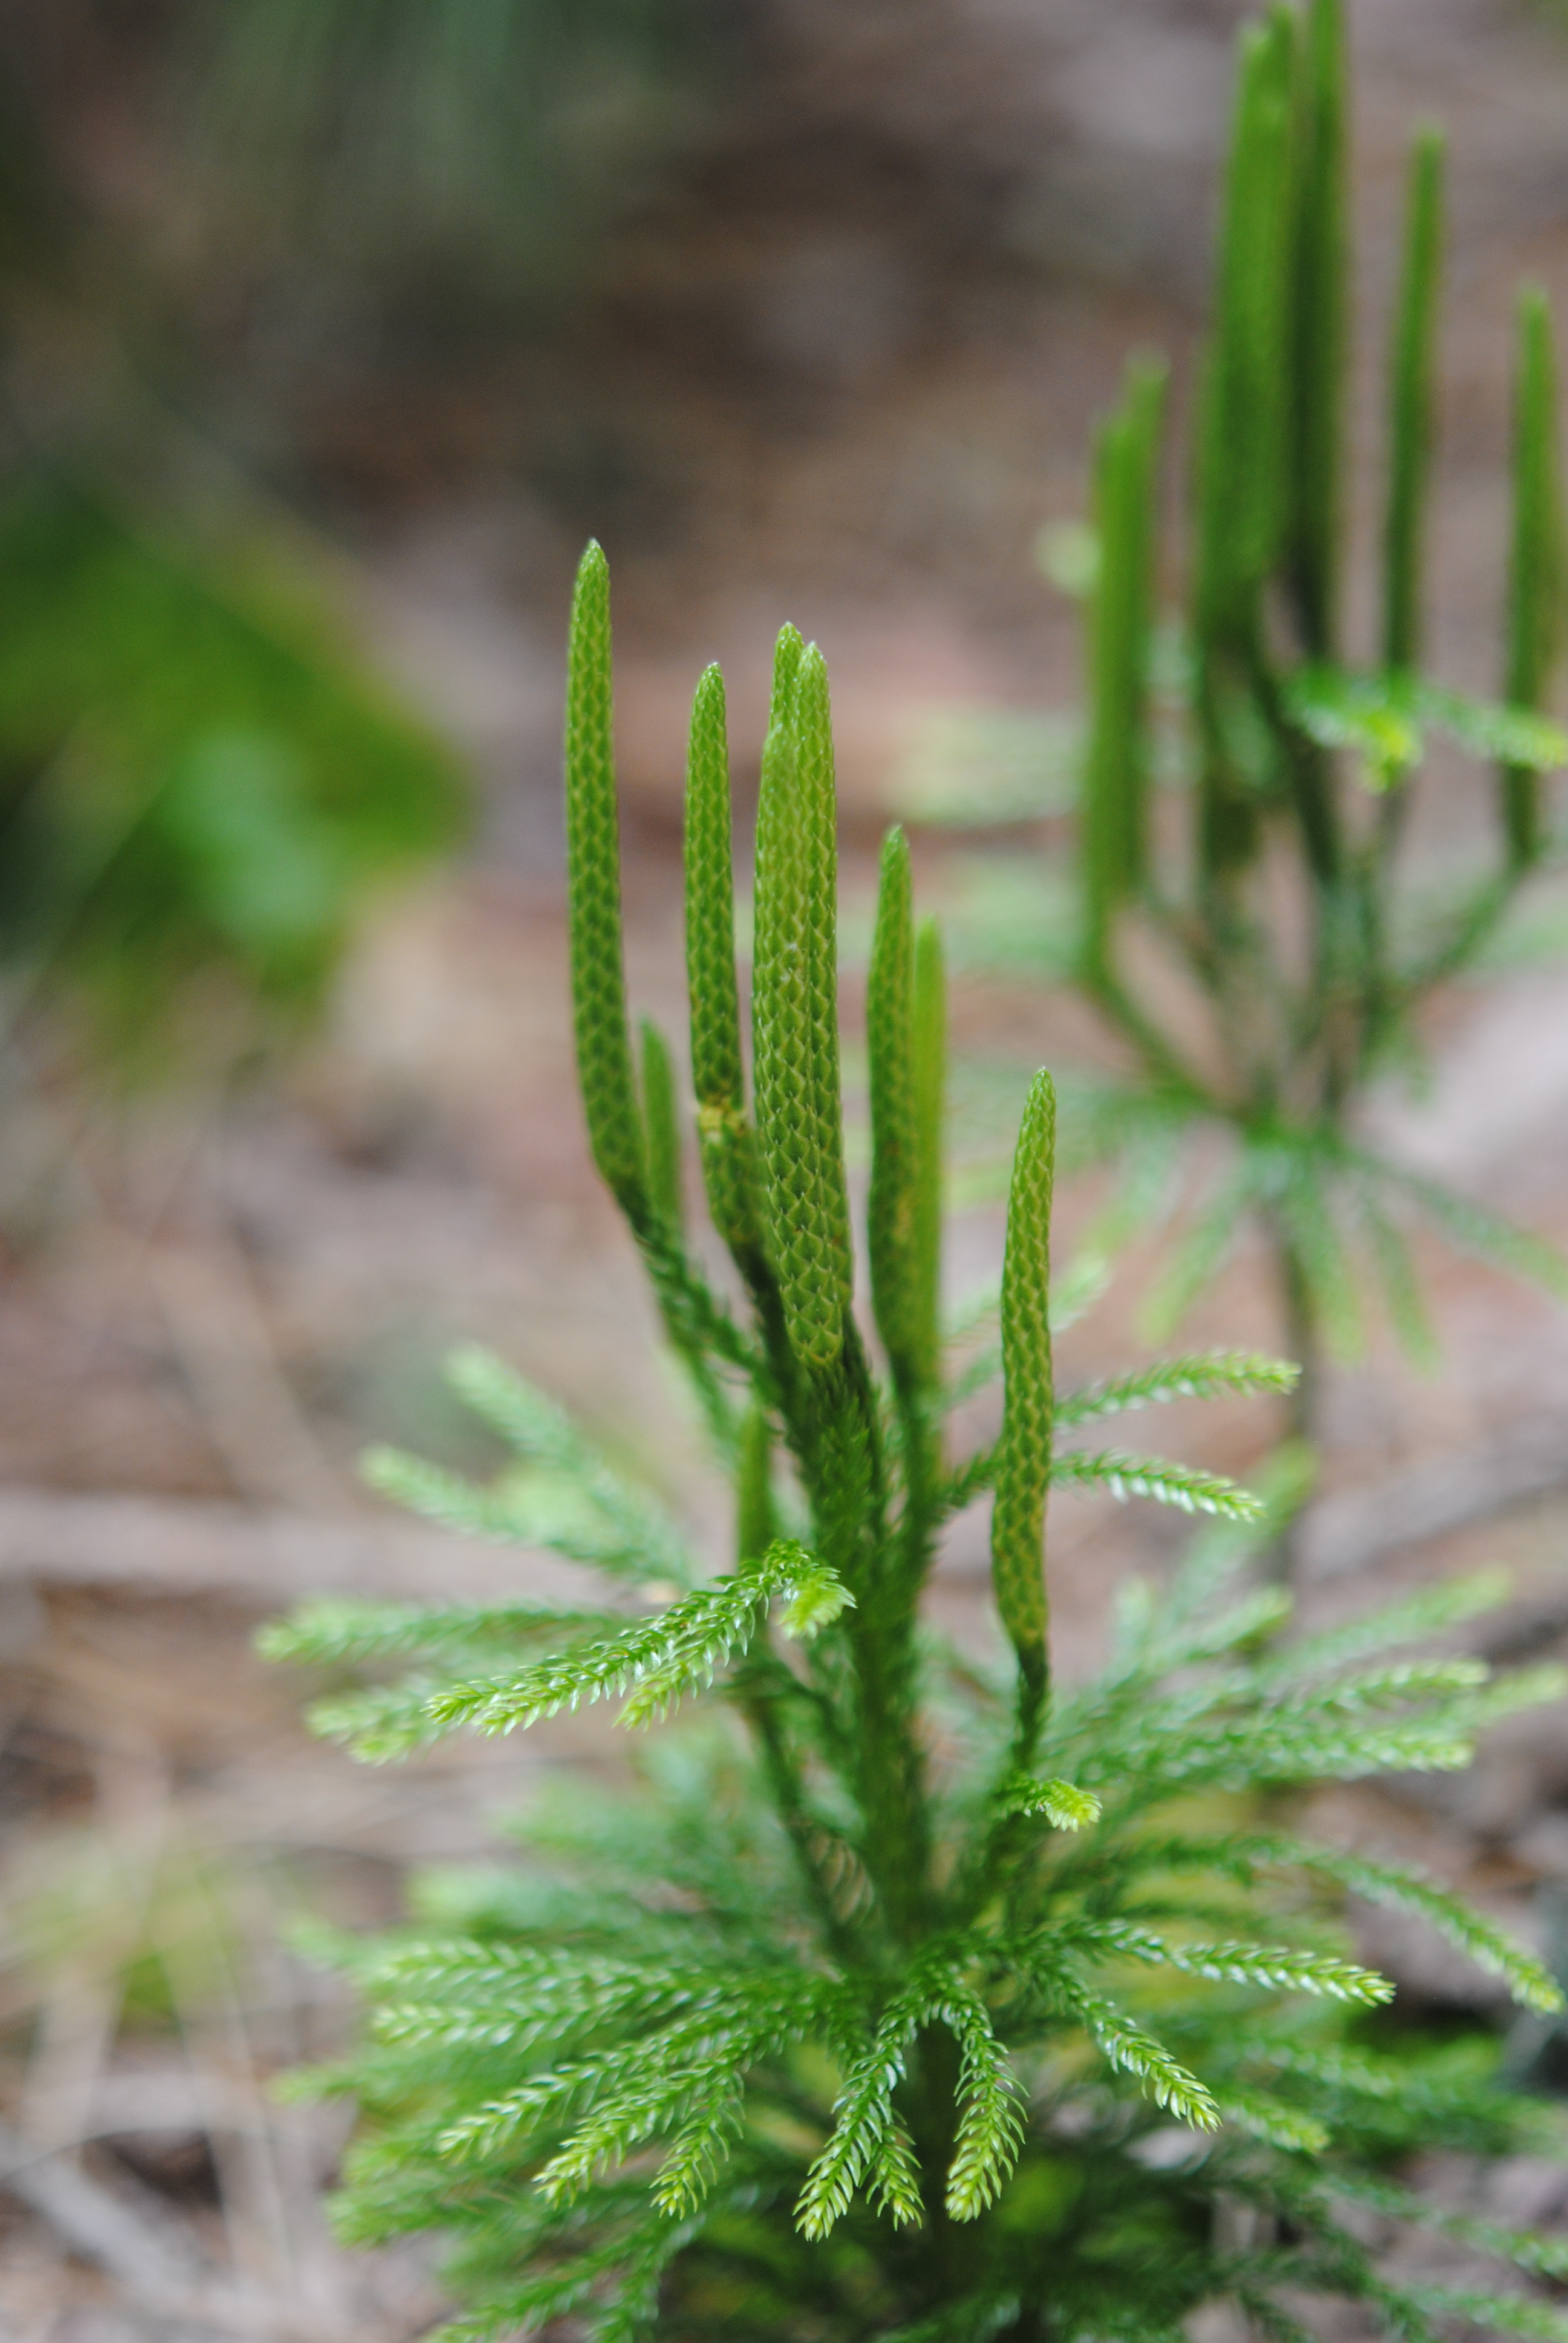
[661,1658]
[1413,1620]
[534,1425]
[1061,1802]
[863,2119]
[1371,715]
[631,1543]
[1126,2047]
[894,2177]
[1494,2314]
[700,2147]
[1023,1456]
[1268,2118]
[990,2122]
[1205,1374]
[1203,1248]
[593,865]
[1474,1229]
[889,1049]
[339,1628]
[661,1128]
[1381,718]
[1182,1485]
[1480,1940]
[1281,1967]
[794,1011]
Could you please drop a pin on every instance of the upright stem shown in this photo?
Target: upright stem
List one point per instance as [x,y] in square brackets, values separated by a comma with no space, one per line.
[790,1799]
[1304,1345]
[920,1448]
[848,1501]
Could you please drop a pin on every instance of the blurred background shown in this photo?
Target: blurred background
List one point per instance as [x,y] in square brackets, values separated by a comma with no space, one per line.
[328,330]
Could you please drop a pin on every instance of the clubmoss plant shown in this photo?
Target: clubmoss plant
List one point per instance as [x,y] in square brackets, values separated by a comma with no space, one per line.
[911,1995]
[1259,936]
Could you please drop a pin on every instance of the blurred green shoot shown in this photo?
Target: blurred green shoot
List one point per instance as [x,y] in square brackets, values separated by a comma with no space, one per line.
[1255,935]
[196,778]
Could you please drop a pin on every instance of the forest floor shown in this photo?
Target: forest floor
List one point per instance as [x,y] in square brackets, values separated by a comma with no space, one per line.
[846,379]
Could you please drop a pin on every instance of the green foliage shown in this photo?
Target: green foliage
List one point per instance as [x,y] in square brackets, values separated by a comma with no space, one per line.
[725,1140]
[192,777]
[593,865]
[1411,390]
[476,148]
[1536,579]
[929,1049]
[1115,802]
[795,1013]
[1203,1376]
[1024,1458]
[913,1996]
[661,1117]
[1318,326]
[889,1051]
[1294,765]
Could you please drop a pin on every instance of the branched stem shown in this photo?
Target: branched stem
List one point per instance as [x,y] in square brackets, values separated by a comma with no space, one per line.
[1288,902]
[842,1966]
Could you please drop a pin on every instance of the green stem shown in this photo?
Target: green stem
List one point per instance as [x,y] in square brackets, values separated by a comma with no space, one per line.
[921,1453]
[1160,1057]
[845,1476]
[1303,1344]
[791,1802]
[1000,1845]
